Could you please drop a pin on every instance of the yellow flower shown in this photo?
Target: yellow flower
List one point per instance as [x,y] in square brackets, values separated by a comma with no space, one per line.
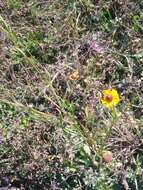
[110,98]
[74,76]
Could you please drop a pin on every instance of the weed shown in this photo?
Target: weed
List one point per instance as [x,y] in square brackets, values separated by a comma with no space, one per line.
[57,57]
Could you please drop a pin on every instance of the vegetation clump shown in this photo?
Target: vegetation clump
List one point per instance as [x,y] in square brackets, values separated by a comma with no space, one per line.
[71,95]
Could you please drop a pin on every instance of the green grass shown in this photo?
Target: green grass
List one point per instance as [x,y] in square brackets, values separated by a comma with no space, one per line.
[53,130]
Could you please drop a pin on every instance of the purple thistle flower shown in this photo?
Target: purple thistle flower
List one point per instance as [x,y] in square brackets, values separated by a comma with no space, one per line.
[95,47]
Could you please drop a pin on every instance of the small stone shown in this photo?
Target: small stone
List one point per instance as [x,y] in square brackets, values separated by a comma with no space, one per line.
[107,156]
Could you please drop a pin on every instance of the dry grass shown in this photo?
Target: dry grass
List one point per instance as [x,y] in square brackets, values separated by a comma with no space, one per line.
[56,57]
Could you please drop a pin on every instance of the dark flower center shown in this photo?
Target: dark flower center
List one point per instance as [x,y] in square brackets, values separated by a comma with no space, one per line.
[109,98]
